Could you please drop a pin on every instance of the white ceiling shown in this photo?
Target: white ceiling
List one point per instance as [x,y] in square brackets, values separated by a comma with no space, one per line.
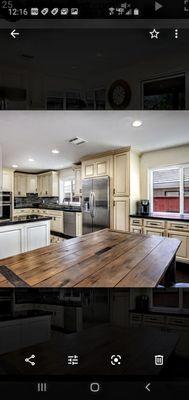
[33,134]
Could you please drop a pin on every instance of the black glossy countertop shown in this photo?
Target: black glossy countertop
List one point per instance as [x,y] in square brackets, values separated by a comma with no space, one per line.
[23,220]
[57,207]
[170,217]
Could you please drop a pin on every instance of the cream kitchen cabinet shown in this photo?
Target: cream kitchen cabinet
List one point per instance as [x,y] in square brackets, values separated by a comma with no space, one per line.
[153,231]
[31,183]
[96,167]
[77,191]
[57,221]
[121,174]
[20,184]
[183,250]
[121,214]
[78,223]
[172,229]
[8,179]
[48,184]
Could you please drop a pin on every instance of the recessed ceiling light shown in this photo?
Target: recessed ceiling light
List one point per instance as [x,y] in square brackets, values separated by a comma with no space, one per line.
[55,151]
[14,166]
[30,159]
[136,123]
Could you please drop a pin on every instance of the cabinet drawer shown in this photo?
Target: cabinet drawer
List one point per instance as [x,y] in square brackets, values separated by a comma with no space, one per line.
[154,319]
[135,229]
[178,322]
[154,223]
[136,221]
[176,225]
[153,231]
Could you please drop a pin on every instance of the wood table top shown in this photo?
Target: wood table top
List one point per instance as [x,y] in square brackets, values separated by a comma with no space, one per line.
[94,346]
[101,259]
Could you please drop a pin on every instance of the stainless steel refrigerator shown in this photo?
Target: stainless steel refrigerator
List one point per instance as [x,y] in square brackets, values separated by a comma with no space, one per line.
[95,204]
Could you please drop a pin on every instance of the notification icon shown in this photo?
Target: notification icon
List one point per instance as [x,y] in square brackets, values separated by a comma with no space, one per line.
[54,11]
[44,11]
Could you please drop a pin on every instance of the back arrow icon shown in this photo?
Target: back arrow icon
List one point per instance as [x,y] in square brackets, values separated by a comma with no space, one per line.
[147,387]
[14,34]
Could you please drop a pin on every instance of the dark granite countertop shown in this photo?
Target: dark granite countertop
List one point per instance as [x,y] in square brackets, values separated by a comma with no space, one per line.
[165,313]
[23,220]
[57,207]
[24,315]
[171,217]
[53,303]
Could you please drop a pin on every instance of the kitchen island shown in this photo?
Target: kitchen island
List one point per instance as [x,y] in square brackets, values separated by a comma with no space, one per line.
[101,259]
[22,234]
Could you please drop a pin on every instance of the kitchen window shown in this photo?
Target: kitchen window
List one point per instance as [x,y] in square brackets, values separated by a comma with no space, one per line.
[169,190]
[170,300]
[68,189]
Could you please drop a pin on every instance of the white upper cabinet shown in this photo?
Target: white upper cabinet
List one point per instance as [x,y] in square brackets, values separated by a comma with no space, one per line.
[48,184]
[20,184]
[96,167]
[121,174]
[31,183]
[77,191]
[8,180]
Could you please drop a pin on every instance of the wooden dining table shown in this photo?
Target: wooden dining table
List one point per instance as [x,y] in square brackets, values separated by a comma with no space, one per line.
[104,258]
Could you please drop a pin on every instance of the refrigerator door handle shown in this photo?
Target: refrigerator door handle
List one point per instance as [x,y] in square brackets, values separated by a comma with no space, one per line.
[91,203]
[94,203]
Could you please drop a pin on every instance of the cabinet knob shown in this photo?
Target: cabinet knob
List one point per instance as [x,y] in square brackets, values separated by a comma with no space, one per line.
[114,191]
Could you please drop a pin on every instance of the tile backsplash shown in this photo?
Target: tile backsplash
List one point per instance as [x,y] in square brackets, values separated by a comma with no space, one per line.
[33,200]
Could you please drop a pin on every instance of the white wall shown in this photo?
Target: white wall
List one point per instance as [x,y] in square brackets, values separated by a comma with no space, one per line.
[160,158]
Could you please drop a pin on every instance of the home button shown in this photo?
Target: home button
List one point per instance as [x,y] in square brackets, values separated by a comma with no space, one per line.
[94,387]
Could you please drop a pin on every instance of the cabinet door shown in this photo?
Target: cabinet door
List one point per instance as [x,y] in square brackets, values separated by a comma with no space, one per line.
[20,185]
[39,185]
[121,174]
[7,181]
[31,184]
[78,224]
[58,224]
[183,250]
[89,169]
[103,167]
[77,182]
[121,214]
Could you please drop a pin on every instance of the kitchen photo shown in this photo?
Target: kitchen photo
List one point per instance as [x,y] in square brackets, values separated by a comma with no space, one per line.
[140,332]
[94,199]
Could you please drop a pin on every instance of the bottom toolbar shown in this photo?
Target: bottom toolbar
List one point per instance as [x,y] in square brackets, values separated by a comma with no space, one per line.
[95,389]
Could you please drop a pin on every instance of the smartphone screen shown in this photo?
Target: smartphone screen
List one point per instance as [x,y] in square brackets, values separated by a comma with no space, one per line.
[94,198]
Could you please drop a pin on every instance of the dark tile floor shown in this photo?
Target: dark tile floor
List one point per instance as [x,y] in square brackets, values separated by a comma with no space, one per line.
[182,272]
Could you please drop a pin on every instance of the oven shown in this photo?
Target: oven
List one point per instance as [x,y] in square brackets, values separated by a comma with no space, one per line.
[5,205]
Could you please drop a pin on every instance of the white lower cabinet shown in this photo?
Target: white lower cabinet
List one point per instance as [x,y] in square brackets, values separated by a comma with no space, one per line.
[12,240]
[78,224]
[172,229]
[19,238]
[183,250]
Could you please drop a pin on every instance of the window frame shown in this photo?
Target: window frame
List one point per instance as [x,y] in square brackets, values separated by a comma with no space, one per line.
[181,168]
[72,180]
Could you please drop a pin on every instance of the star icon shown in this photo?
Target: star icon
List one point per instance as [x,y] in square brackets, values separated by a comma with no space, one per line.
[154,34]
